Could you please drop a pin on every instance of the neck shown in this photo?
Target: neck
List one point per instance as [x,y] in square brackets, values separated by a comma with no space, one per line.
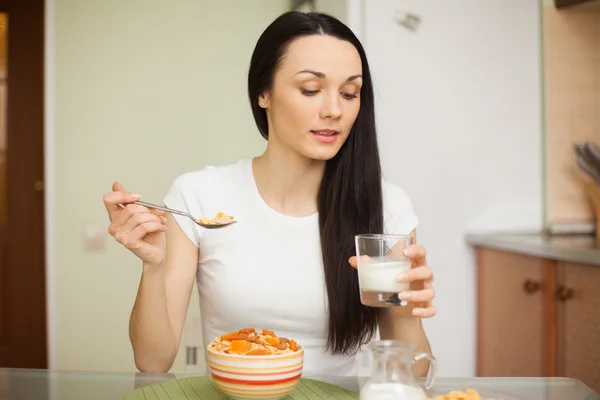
[288,182]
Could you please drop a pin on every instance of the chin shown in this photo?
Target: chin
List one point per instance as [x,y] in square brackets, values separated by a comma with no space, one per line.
[321,154]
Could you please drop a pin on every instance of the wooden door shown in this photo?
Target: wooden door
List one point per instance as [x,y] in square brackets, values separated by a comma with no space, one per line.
[578,303]
[513,338]
[22,264]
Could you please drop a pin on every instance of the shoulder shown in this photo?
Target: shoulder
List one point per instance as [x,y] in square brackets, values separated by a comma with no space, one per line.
[211,176]
[394,194]
[398,211]
[198,192]
[203,192]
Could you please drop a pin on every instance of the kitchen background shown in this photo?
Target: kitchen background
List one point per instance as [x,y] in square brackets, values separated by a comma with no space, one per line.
[479,106]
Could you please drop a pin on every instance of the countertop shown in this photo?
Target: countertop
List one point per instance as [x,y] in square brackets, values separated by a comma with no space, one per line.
[579,249]
[20,384]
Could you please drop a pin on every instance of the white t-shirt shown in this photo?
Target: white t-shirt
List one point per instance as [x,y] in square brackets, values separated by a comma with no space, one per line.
[265,271]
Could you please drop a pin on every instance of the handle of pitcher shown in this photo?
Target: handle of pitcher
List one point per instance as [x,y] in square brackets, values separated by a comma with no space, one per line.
[432,368]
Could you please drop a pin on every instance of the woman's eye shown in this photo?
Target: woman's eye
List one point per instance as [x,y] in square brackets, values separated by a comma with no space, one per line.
[349,96]
[309,92]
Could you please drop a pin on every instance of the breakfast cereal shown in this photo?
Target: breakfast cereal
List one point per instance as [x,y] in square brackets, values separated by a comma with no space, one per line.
[221,218]
[248,341]
[459,395]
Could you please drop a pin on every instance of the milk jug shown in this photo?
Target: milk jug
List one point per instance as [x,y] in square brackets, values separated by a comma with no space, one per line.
[392,377]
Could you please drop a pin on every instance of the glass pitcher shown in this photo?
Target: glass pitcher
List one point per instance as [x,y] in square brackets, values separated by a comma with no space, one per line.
[392,377]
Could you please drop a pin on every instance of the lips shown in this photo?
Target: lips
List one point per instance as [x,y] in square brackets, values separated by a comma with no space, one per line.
[326,135]
[326,132]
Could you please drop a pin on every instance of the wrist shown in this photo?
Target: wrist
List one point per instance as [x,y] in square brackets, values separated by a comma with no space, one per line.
[151,269]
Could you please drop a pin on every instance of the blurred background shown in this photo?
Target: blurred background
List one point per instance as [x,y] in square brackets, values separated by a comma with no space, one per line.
[481,107]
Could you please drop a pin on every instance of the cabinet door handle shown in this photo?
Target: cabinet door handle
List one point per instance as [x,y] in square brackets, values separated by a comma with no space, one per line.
[530,286]
[564,293]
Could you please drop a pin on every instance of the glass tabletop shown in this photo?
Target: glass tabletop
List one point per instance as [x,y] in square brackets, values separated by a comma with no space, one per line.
[24,384]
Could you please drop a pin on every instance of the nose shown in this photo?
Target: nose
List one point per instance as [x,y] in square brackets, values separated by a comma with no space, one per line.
[331,107]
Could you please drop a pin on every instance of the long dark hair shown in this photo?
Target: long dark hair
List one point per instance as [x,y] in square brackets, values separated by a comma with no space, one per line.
[350,195]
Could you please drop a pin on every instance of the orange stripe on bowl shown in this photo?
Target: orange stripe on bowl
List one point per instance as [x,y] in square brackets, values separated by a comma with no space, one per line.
[229,368]
[255,383]
[249,371]
[273,358]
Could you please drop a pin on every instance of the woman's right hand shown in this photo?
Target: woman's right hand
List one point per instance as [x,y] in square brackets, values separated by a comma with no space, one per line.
[138,228]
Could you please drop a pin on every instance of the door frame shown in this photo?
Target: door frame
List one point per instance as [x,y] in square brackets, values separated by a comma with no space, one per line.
[26,256]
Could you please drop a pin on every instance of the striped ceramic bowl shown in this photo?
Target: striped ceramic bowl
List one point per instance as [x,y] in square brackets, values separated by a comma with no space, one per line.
[256,377]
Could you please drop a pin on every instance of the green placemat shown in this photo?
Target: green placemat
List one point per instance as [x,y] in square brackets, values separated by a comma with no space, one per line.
[203,388]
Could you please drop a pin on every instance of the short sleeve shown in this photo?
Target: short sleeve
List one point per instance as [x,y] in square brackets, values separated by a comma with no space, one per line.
[182,195]
[399,215]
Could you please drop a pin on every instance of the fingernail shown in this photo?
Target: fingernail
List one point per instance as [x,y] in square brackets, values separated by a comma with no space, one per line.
[136,195]
[404,295]
[407,252]
[403,277]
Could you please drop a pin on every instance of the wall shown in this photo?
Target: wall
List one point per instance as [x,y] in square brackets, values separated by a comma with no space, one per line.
[459,117]
[337,8]
[138,94]
[572,92]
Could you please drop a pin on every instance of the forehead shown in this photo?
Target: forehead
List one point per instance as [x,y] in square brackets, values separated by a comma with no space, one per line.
[327,54]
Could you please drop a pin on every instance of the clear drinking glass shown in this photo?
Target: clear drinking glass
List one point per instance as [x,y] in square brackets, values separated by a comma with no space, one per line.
[380,262]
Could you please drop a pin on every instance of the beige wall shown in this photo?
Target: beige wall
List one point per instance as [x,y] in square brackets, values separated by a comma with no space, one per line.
[337,8]
[572,97]
[142,93]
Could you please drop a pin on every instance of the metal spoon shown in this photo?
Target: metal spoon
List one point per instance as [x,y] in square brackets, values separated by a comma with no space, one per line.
[170,210]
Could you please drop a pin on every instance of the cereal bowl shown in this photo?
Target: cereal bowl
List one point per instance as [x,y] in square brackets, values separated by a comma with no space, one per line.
[245,371]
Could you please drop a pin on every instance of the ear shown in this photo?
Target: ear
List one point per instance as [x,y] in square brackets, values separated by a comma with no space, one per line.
[264,100]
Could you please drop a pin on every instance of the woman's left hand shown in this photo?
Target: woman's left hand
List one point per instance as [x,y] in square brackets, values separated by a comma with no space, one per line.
[420,277]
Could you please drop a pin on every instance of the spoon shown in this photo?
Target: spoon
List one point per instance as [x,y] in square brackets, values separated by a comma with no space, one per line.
[197,221]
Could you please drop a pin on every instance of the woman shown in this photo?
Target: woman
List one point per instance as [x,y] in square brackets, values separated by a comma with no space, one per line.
[286,265]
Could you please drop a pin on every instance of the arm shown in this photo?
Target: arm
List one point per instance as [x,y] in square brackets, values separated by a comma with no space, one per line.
[405,323]
[162,301]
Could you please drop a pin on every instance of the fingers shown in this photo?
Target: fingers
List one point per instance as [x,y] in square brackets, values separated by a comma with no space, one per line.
[423,273]
[136,219]
[118,196]
[416,253]
[134,239]
[353,261]
[425,312]
[125,214]
[418,296]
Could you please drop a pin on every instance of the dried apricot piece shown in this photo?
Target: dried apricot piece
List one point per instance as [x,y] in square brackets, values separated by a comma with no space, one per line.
[273,341]
[240,347]
[234,336]
[247,331]
[259,352]
[293,345]
[267,332]
[282,346]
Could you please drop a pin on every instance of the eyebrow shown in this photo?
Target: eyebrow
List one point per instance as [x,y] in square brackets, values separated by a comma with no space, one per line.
[322,75]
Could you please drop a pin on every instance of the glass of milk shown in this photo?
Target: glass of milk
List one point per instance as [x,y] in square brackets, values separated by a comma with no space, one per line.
[380,262]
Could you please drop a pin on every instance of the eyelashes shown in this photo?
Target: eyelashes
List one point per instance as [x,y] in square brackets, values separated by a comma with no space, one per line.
[347,96]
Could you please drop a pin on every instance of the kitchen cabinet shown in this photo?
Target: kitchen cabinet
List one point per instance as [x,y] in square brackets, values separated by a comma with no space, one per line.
[537,316]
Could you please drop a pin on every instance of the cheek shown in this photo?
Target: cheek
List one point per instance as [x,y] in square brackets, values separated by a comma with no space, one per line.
[352,112]
[294,114]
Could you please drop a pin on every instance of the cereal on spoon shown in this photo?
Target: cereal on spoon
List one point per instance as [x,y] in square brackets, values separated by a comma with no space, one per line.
[248,341]
[221,218]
